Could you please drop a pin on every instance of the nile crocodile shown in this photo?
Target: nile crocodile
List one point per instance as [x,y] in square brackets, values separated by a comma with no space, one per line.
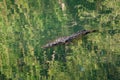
[67,39]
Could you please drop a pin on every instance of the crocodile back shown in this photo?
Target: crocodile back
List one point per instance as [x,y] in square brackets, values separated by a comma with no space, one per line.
[67,39]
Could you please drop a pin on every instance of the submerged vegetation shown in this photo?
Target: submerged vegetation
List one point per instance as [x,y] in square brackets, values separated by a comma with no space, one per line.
[26,25]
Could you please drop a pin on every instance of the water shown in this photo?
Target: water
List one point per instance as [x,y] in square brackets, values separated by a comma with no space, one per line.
[25,26]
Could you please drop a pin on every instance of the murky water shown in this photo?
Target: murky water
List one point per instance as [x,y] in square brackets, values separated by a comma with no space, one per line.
[26,26]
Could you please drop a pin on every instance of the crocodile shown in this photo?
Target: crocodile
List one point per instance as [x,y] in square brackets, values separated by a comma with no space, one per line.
[68,39]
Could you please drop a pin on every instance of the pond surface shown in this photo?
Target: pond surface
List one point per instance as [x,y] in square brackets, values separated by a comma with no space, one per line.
[26,26]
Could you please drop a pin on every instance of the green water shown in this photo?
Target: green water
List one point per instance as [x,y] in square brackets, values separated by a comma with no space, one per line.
[27,25]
